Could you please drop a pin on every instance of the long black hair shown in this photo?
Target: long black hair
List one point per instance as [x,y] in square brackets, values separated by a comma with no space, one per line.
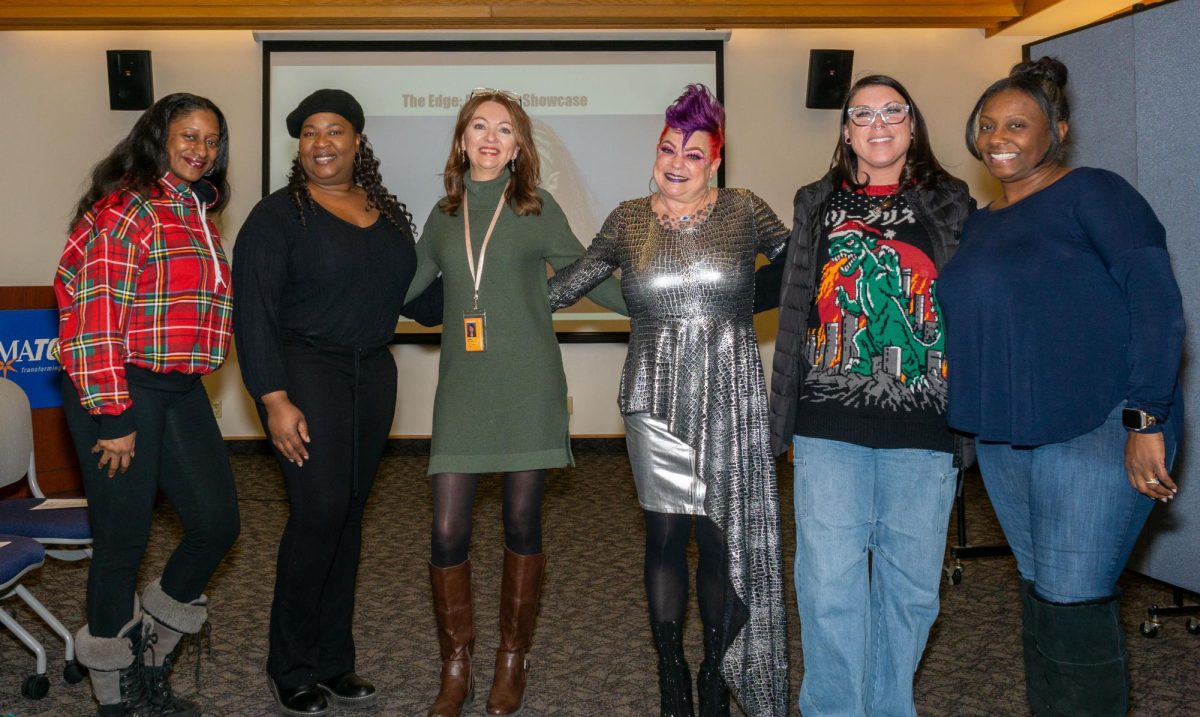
[140,160]
[1045,81]
[367,176]
[921,168]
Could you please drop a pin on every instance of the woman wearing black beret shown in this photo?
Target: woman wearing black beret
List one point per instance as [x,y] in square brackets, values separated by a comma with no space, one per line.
[321,269]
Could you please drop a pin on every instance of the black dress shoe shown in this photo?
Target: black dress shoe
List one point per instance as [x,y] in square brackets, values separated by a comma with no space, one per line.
[303,700]
[349,690]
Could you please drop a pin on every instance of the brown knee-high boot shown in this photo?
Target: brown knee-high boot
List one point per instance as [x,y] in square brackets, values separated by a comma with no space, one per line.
[520,593]
[456,637]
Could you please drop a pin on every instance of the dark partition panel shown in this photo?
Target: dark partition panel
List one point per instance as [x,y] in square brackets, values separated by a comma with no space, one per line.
[1103,91]
[1135,84]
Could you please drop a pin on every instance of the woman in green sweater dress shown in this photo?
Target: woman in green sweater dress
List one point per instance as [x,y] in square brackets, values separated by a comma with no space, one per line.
[501,404]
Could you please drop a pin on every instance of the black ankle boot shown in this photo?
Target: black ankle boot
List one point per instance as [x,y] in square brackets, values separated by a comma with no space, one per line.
[302,700]
[349,690]
[674,677]
[710,686]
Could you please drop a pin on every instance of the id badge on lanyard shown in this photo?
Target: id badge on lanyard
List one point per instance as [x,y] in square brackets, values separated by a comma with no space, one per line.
[475,320]
[475,330]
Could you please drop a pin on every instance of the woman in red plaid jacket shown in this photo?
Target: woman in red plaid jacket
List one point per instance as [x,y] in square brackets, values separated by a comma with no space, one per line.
[144,313]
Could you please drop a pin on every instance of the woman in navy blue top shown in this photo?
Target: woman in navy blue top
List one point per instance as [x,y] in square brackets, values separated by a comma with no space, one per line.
[1066,327]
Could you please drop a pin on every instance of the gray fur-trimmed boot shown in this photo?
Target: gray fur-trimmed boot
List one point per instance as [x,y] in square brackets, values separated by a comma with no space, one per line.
[167,620]
[115,675]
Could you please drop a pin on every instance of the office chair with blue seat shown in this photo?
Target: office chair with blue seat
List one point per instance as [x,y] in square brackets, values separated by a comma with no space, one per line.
[59,532]
[18,556]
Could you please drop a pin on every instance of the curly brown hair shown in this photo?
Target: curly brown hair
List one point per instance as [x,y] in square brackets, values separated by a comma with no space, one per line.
[522,195]
[367,176]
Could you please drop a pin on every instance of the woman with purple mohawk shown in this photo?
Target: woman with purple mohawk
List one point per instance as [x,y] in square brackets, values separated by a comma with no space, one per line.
[694,403]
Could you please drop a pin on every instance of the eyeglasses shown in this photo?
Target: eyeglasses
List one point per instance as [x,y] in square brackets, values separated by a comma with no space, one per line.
[491,92]
[891,113]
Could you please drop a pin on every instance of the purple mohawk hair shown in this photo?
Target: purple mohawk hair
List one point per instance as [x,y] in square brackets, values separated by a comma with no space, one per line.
[697,110]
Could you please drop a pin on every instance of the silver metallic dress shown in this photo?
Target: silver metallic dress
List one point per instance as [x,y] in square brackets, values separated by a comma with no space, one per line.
[693,362]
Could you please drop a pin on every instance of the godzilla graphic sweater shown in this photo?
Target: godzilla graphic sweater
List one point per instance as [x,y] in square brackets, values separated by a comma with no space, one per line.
[875,344]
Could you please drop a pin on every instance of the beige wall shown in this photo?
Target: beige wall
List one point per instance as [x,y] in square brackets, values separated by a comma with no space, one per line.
[56,83]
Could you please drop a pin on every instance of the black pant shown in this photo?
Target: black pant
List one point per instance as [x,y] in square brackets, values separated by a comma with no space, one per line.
[318,554]
[180,451]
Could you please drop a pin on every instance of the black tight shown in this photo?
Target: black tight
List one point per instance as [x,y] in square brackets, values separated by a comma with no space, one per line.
[453,498]
[666,567]
[180,452]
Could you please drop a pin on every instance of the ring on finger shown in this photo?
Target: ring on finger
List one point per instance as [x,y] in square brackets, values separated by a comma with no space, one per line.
[1154,481]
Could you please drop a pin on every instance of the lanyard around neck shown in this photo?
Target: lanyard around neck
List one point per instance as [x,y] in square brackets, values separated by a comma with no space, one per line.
[478,275]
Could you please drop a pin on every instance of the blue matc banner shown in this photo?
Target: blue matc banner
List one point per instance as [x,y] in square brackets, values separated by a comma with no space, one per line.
[26,339]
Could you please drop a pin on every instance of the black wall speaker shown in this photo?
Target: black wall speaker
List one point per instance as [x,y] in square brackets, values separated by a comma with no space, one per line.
[130,80]
[828,78]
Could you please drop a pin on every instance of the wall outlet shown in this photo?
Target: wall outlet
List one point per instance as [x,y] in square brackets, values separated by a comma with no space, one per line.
[216,405]
[570,405]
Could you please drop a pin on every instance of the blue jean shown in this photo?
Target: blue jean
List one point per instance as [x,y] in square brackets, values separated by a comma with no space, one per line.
[1067,509]
[864,622]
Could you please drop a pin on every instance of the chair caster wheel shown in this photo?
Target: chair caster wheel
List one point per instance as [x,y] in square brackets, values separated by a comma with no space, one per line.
[35,687]
[1150,629]
[73,672]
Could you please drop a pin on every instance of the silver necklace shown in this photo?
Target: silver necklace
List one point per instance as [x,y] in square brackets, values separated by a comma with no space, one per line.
[689,220]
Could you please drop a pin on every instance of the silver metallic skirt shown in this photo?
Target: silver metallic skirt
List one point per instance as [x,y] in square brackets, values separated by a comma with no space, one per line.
[664,467]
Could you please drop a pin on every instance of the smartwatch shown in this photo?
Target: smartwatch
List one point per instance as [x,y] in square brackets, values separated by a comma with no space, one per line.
[1135,419]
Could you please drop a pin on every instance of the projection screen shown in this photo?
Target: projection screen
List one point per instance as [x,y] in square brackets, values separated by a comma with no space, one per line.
[597,110]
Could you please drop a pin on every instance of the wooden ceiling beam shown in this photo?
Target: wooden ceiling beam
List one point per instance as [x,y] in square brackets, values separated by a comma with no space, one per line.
[507,14]
[1028,10]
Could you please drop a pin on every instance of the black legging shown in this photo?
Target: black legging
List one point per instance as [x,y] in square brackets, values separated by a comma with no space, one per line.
[315,574]
[666,567]
[180,451]
[453,498]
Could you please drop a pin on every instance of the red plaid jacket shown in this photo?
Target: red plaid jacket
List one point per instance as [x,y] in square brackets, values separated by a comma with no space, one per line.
[141,282]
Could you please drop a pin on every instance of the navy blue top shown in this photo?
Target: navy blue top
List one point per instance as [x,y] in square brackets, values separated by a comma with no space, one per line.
[1057,308]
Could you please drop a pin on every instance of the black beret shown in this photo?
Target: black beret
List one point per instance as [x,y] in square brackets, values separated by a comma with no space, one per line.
[337,101]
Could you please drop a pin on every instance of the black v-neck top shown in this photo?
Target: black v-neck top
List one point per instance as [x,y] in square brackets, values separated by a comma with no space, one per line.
[325,282]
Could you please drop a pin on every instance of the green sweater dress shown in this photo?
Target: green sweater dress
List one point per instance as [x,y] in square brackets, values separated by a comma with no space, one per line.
[503,409]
